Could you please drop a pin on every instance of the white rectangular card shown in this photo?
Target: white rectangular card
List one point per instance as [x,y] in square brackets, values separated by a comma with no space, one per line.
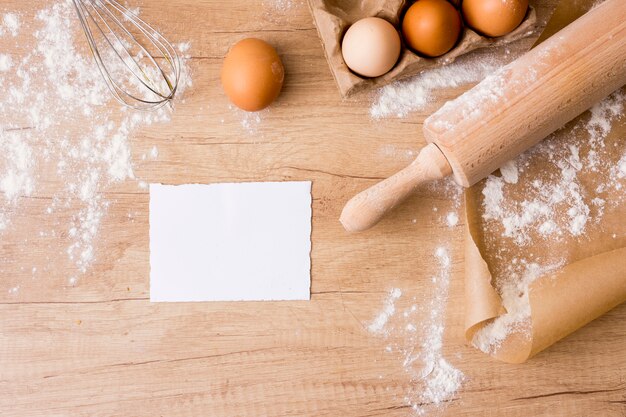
[230,242]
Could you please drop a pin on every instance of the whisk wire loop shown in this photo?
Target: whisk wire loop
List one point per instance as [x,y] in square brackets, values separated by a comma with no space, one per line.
[159,84]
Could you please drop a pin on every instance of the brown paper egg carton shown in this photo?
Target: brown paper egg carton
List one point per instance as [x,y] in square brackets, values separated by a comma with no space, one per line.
[333,17]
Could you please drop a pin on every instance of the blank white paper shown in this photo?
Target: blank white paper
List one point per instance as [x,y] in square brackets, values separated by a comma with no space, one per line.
[230,242]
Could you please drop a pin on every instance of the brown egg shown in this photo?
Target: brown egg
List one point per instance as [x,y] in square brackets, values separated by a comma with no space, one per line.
[431,27]
[494,17]
[252,74]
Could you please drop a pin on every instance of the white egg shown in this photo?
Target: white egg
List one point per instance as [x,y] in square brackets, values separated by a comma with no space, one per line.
[371,47]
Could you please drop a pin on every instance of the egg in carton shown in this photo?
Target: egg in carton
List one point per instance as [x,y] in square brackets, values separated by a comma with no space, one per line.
[333,17]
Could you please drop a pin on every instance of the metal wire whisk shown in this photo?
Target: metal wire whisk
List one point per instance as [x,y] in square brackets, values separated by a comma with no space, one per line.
[140,82]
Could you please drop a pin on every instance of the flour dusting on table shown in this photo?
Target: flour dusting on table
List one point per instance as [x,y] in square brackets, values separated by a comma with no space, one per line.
[388,310]
[281,6]
[59,120]
[419,328]
[401,98]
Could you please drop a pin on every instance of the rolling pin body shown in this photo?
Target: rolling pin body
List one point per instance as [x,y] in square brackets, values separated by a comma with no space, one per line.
[512,110]
[530,98]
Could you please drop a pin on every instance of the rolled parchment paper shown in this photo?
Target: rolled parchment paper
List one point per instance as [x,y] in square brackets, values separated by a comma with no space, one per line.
[560,302]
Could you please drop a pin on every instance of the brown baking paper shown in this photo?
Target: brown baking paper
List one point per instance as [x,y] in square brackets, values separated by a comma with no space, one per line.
[592,279]
[333,17]
[592,282]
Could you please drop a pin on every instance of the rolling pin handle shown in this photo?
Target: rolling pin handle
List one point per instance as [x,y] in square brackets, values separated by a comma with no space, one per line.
[367,208]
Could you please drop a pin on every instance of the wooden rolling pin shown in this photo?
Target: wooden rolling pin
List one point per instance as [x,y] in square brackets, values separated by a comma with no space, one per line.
[510,111]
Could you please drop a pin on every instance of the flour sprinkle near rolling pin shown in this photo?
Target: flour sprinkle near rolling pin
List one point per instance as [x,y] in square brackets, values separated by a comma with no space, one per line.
[510,111]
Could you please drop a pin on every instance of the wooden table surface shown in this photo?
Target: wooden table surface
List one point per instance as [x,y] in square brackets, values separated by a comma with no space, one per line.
[100,348]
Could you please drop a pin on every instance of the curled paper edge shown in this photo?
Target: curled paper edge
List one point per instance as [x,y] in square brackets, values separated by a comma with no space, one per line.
[560,302]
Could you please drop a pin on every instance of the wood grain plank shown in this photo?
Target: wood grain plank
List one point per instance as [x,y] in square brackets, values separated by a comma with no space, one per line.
[101,349]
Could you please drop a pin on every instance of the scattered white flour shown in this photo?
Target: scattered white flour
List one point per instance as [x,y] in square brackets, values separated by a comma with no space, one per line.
[452,219]
[51,90]
[17,178]
[184,48]
[514,293]
[281,6]
[442,380]
[422,327]
[471,104]
[392,151]
[11,23]
[559,190]
[250,121]
[153,154]
[281,12]
[448,189]
[619,172]
[388,310]
[403,97]
[5,62]
[490,92]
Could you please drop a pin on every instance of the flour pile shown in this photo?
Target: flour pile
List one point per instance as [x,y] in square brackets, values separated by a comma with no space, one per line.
[421,327]
[60,121]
